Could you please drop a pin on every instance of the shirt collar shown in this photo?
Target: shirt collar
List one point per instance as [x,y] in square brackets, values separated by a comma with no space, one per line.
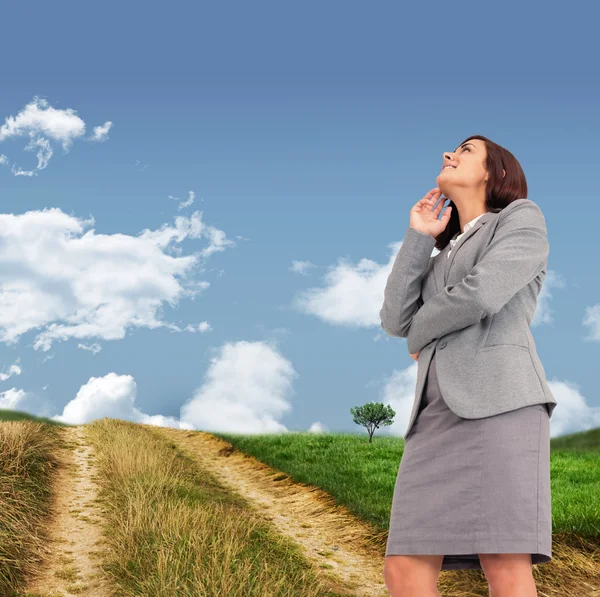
[468,225]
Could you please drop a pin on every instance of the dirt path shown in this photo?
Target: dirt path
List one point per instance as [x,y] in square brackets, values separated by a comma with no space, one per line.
[72,569]
[333,539]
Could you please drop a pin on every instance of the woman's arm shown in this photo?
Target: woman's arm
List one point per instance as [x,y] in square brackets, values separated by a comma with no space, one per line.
[402,294]
[514,257]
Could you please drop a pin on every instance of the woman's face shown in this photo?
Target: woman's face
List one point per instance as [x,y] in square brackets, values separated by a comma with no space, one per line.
[469,173]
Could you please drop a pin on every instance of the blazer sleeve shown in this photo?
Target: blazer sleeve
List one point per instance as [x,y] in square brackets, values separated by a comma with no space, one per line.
[515,256]
[402,293]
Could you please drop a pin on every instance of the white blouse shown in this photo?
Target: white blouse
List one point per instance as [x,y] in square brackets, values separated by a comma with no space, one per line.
[468,225]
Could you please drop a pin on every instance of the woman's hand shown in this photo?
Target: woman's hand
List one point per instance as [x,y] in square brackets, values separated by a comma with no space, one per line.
[415,356]
[424,217]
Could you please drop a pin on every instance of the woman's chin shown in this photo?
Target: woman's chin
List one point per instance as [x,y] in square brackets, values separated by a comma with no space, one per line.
[440,184]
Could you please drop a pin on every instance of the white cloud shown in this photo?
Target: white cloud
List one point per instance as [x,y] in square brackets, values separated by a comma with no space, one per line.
[352,295]
[301,267]
[23,401]
[202,327]
[571,413]
[187,202]
[13,398]
[246,390]
[13,370]
[101,132]
[42,123]
[94,348]
[592,320]
[39,117]
[543,312]
[399,392]
[73,283]
[111,396]
[317,427]
[44,153]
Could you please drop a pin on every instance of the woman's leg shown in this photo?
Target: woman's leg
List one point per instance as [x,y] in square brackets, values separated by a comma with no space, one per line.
[412,575]
[509,574]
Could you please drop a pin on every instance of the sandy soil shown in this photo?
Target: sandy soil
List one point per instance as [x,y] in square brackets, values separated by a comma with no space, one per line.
[72,566]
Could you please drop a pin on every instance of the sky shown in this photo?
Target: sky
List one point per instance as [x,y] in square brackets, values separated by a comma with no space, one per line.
[201,204]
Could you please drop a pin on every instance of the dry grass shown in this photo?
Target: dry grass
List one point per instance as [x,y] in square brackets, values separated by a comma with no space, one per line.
[174,530]
[27,465]
[347,551]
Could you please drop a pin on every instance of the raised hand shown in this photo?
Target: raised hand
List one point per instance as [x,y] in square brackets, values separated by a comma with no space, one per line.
[424,216]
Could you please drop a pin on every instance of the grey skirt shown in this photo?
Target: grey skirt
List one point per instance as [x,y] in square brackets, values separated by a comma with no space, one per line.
[471,486]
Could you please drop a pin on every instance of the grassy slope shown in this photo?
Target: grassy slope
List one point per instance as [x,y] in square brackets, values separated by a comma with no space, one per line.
[361,475]
[15,415]
[584,441]
[356,473]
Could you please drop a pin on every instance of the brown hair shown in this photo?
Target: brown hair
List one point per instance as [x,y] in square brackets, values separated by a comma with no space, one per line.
[500,190]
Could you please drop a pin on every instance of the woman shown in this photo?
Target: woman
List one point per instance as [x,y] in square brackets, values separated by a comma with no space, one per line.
[473,487]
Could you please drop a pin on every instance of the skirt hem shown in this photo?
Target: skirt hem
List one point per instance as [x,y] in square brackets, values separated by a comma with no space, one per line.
[465,555]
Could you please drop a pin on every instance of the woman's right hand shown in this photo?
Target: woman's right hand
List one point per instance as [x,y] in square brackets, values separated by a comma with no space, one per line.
[424,217]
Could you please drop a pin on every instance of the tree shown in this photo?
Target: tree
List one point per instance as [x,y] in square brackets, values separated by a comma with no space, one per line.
[372,415]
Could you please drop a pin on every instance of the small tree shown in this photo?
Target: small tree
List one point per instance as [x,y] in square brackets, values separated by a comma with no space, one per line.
[372,415]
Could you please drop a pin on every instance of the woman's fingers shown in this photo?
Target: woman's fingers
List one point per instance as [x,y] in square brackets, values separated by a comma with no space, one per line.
[431,198]
[439,208]
[430,194]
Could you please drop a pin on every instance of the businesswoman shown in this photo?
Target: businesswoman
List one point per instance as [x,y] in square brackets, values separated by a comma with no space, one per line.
[473,486]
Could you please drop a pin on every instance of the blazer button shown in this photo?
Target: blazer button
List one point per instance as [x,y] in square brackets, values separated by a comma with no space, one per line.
[442,344]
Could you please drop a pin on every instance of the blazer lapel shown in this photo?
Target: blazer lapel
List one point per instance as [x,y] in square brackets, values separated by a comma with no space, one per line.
[444,263]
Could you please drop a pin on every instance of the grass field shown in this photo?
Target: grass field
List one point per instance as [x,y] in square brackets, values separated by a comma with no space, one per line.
[361,475]
[172,528]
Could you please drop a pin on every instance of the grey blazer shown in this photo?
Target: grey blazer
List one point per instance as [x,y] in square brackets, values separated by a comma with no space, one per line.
[474,309]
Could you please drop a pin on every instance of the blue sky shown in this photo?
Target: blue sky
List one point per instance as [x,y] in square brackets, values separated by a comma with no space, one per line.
[201,206]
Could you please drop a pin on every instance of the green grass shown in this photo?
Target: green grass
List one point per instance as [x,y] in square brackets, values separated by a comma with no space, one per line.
[361,476]
[357,474]
[584,441]
[15,415]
